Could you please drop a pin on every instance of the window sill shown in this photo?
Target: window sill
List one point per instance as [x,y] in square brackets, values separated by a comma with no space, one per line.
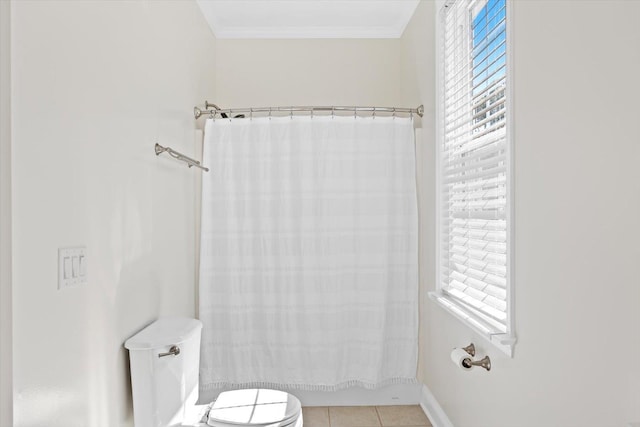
[504,342]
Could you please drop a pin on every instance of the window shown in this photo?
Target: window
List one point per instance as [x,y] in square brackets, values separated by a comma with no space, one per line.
[474,169]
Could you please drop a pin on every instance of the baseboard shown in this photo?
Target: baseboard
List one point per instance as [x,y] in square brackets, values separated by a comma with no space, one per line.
[432,408]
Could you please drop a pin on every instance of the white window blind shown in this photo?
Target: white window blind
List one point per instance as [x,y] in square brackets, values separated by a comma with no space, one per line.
[474,186]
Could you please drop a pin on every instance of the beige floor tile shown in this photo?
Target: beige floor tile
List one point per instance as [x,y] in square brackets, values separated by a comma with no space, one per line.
[402,415]
[353,416]
[315,416]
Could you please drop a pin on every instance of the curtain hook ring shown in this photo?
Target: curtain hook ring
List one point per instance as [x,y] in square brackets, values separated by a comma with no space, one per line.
[230,114]
[394,113]
[291,113]
[374,112]
[355,112]
[311,109]
[333,110]
[251,113]
[269,113]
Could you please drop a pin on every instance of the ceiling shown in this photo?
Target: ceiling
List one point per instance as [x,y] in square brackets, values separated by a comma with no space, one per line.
[300,19]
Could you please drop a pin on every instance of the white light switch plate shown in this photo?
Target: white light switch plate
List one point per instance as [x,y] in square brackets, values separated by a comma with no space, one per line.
[72,267]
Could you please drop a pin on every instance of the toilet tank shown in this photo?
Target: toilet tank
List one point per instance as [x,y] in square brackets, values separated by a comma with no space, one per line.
[164,384]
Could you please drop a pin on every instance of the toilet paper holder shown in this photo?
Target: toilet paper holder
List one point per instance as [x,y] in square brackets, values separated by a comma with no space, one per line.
[471,349]
[485,362]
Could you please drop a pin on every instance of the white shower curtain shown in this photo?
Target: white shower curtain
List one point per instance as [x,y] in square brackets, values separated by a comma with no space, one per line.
[309,259]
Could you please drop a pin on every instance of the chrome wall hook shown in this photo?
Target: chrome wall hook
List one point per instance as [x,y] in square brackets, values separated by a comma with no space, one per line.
[208,105]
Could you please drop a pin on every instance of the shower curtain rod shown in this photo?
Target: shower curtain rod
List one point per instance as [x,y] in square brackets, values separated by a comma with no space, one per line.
[212,109]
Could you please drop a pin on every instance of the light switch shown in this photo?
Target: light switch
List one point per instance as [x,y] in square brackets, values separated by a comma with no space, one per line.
[72,267]
[67,268]
[76,267]
[83,266]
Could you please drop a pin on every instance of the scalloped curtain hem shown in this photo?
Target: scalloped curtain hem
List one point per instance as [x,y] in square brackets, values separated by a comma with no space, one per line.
[309,387]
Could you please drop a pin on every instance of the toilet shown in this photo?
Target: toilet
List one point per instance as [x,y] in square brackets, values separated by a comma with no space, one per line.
[164,359]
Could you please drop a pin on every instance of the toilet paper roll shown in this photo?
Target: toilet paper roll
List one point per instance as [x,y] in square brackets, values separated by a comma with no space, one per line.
[458,355]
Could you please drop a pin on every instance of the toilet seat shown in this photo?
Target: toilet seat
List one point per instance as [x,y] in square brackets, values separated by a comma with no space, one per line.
[255,408]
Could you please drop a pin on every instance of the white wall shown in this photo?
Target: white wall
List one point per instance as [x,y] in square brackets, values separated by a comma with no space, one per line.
[6,411]
[95,85]
[308,72]
[577,189]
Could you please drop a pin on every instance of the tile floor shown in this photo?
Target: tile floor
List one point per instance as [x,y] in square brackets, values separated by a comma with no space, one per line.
[365,416]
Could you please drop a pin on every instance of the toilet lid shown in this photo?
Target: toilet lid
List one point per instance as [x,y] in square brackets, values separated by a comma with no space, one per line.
[254,407]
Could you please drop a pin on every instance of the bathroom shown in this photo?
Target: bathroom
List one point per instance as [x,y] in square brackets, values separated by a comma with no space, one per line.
[88,87]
